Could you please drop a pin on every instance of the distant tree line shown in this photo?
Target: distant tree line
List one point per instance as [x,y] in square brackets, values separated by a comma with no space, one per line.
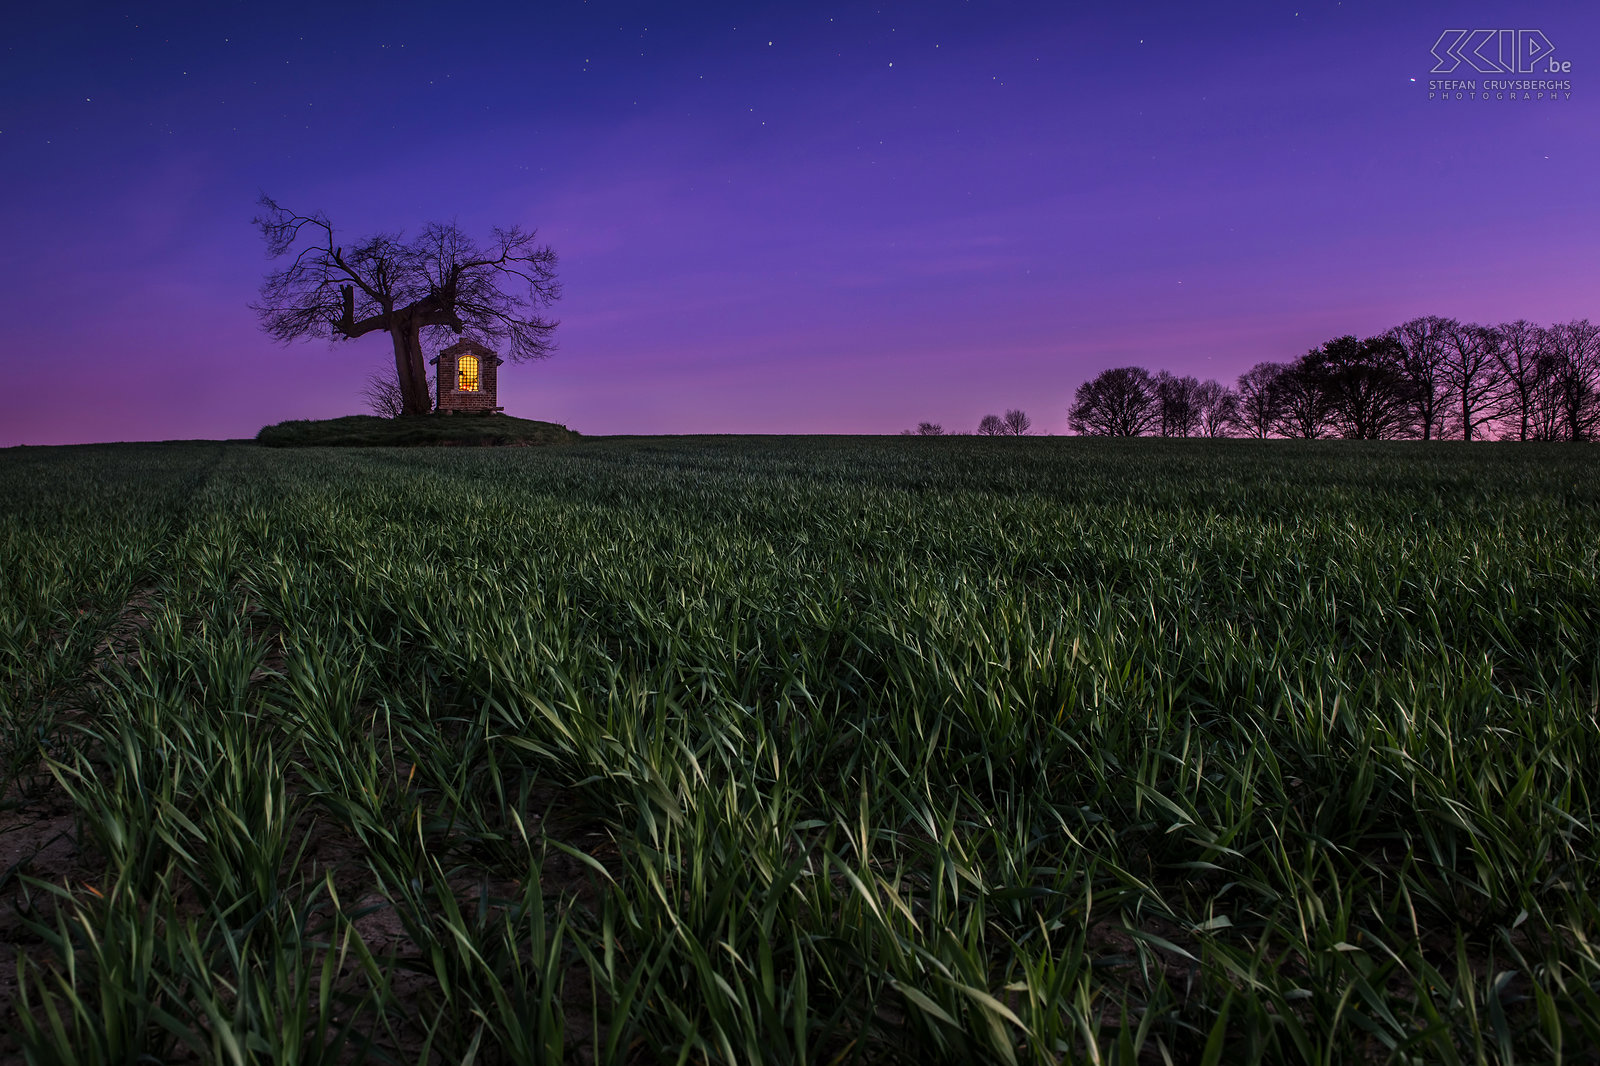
[1429,379]
[1014,423]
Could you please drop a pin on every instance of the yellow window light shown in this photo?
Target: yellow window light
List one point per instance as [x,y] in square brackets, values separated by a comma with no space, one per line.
[467,374]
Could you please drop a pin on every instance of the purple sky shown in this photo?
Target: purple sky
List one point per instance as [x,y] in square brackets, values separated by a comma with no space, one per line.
[785,218]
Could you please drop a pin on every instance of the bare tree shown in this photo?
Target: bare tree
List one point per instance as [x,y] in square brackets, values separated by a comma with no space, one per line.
[1422,358]
[442,279]
[991,426]
[1177,404]
[1115,403]
[1519,348]
[929,429]
[1302,399]
[1017,423]
[1574,352]
[1218,407]
[1259,399]
[382,393]
[1545,421]
[1367,395]
[1471,374]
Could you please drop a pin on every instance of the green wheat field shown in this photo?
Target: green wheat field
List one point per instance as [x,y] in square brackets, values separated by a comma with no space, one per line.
[788,750]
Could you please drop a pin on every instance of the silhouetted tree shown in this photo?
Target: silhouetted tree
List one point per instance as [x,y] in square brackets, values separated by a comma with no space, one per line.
[441,279]
[1259,399]
[1520,350]
[382,393]
[1302,400]
[1366,395]
[991,426]
[1217,408]
[1545,419]
[1115,403]
[1421,360]
[1471,375]
[1574,353]
[929,429]
[1017,423]
[1176,403]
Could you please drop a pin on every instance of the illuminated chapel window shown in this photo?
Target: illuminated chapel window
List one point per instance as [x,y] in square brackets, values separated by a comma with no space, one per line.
[467,370]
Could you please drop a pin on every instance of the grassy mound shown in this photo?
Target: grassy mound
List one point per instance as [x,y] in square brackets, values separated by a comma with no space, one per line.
[366,431]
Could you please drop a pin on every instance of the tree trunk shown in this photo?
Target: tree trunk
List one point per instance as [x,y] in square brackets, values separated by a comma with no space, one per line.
[408,366]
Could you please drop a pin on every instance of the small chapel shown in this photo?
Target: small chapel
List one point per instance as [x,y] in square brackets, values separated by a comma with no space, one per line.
[466,379]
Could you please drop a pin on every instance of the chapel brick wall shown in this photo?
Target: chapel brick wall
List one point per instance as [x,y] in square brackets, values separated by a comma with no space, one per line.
[449,398]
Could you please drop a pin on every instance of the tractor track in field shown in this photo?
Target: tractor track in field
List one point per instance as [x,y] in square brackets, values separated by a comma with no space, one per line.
[40,835]
[43,841]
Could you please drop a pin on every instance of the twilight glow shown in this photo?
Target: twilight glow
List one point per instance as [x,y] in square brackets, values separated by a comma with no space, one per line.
[778,218]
